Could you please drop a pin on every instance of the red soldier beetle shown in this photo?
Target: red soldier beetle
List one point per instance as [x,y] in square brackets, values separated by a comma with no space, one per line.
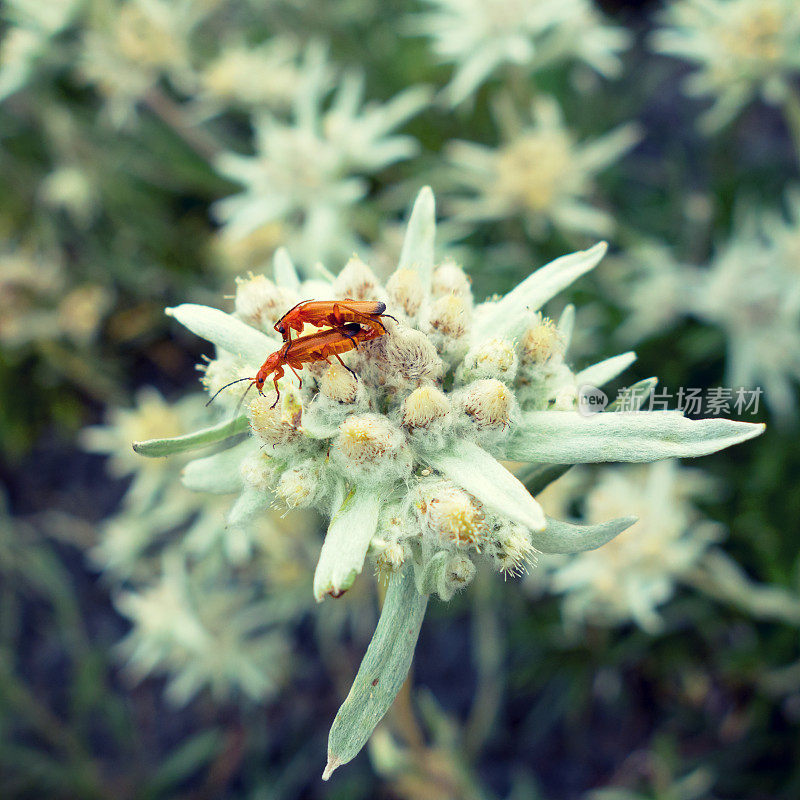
[306,350]
[334,314]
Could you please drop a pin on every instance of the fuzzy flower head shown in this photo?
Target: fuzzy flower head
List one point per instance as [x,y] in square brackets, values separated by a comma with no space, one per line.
[480,36]
[402,448]
[631,576]
[742,49]
[309,173]
[540,173]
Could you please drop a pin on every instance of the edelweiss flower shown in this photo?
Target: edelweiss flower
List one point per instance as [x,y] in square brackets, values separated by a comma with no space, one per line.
[202,629]
[631,576]
[653,288]
[751,289]
[478,36]
[743,48]
[132,44]
[540,173]
[310,173]
[405,456]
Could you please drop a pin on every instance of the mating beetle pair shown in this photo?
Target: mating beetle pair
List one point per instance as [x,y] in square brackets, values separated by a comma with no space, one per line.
[349,322]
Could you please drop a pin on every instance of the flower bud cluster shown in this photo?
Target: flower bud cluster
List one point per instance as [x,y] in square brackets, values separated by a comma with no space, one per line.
[405,398]
[545,380]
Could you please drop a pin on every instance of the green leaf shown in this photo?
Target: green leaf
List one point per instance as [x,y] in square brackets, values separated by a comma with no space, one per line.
[158,448]
[537,477]
[381,673]
[189,757]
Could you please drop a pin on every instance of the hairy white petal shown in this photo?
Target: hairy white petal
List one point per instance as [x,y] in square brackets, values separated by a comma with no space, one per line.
[283,270]
[567,437]
[158,448]
[225,331]
[507,317]
[604,371]
[564,537]
[220,473]
[250,502]
[566,325]
[473,469]
[345,547]
[417,252]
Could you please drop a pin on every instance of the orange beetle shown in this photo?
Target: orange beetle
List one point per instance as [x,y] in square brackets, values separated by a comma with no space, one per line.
[333,313]
[306,350]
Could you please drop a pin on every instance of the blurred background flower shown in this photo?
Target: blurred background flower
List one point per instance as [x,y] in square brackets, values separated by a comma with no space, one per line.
[154,151]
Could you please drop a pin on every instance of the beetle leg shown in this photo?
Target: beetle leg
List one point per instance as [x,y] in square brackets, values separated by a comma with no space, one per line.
[278,375]
[345,366]
[300,380]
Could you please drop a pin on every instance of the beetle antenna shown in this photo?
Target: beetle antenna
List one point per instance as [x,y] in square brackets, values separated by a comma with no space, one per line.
[241,400]
[213,397]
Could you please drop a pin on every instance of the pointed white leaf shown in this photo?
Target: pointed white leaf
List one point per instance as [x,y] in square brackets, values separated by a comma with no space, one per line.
[225,331]
[382,672]
[474,470]
[564,537]
[604,371]
[342,556]
[283,270]
[508,316]
[567,437]
[633,397]
[417,252]
[321,272]
[566,325]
